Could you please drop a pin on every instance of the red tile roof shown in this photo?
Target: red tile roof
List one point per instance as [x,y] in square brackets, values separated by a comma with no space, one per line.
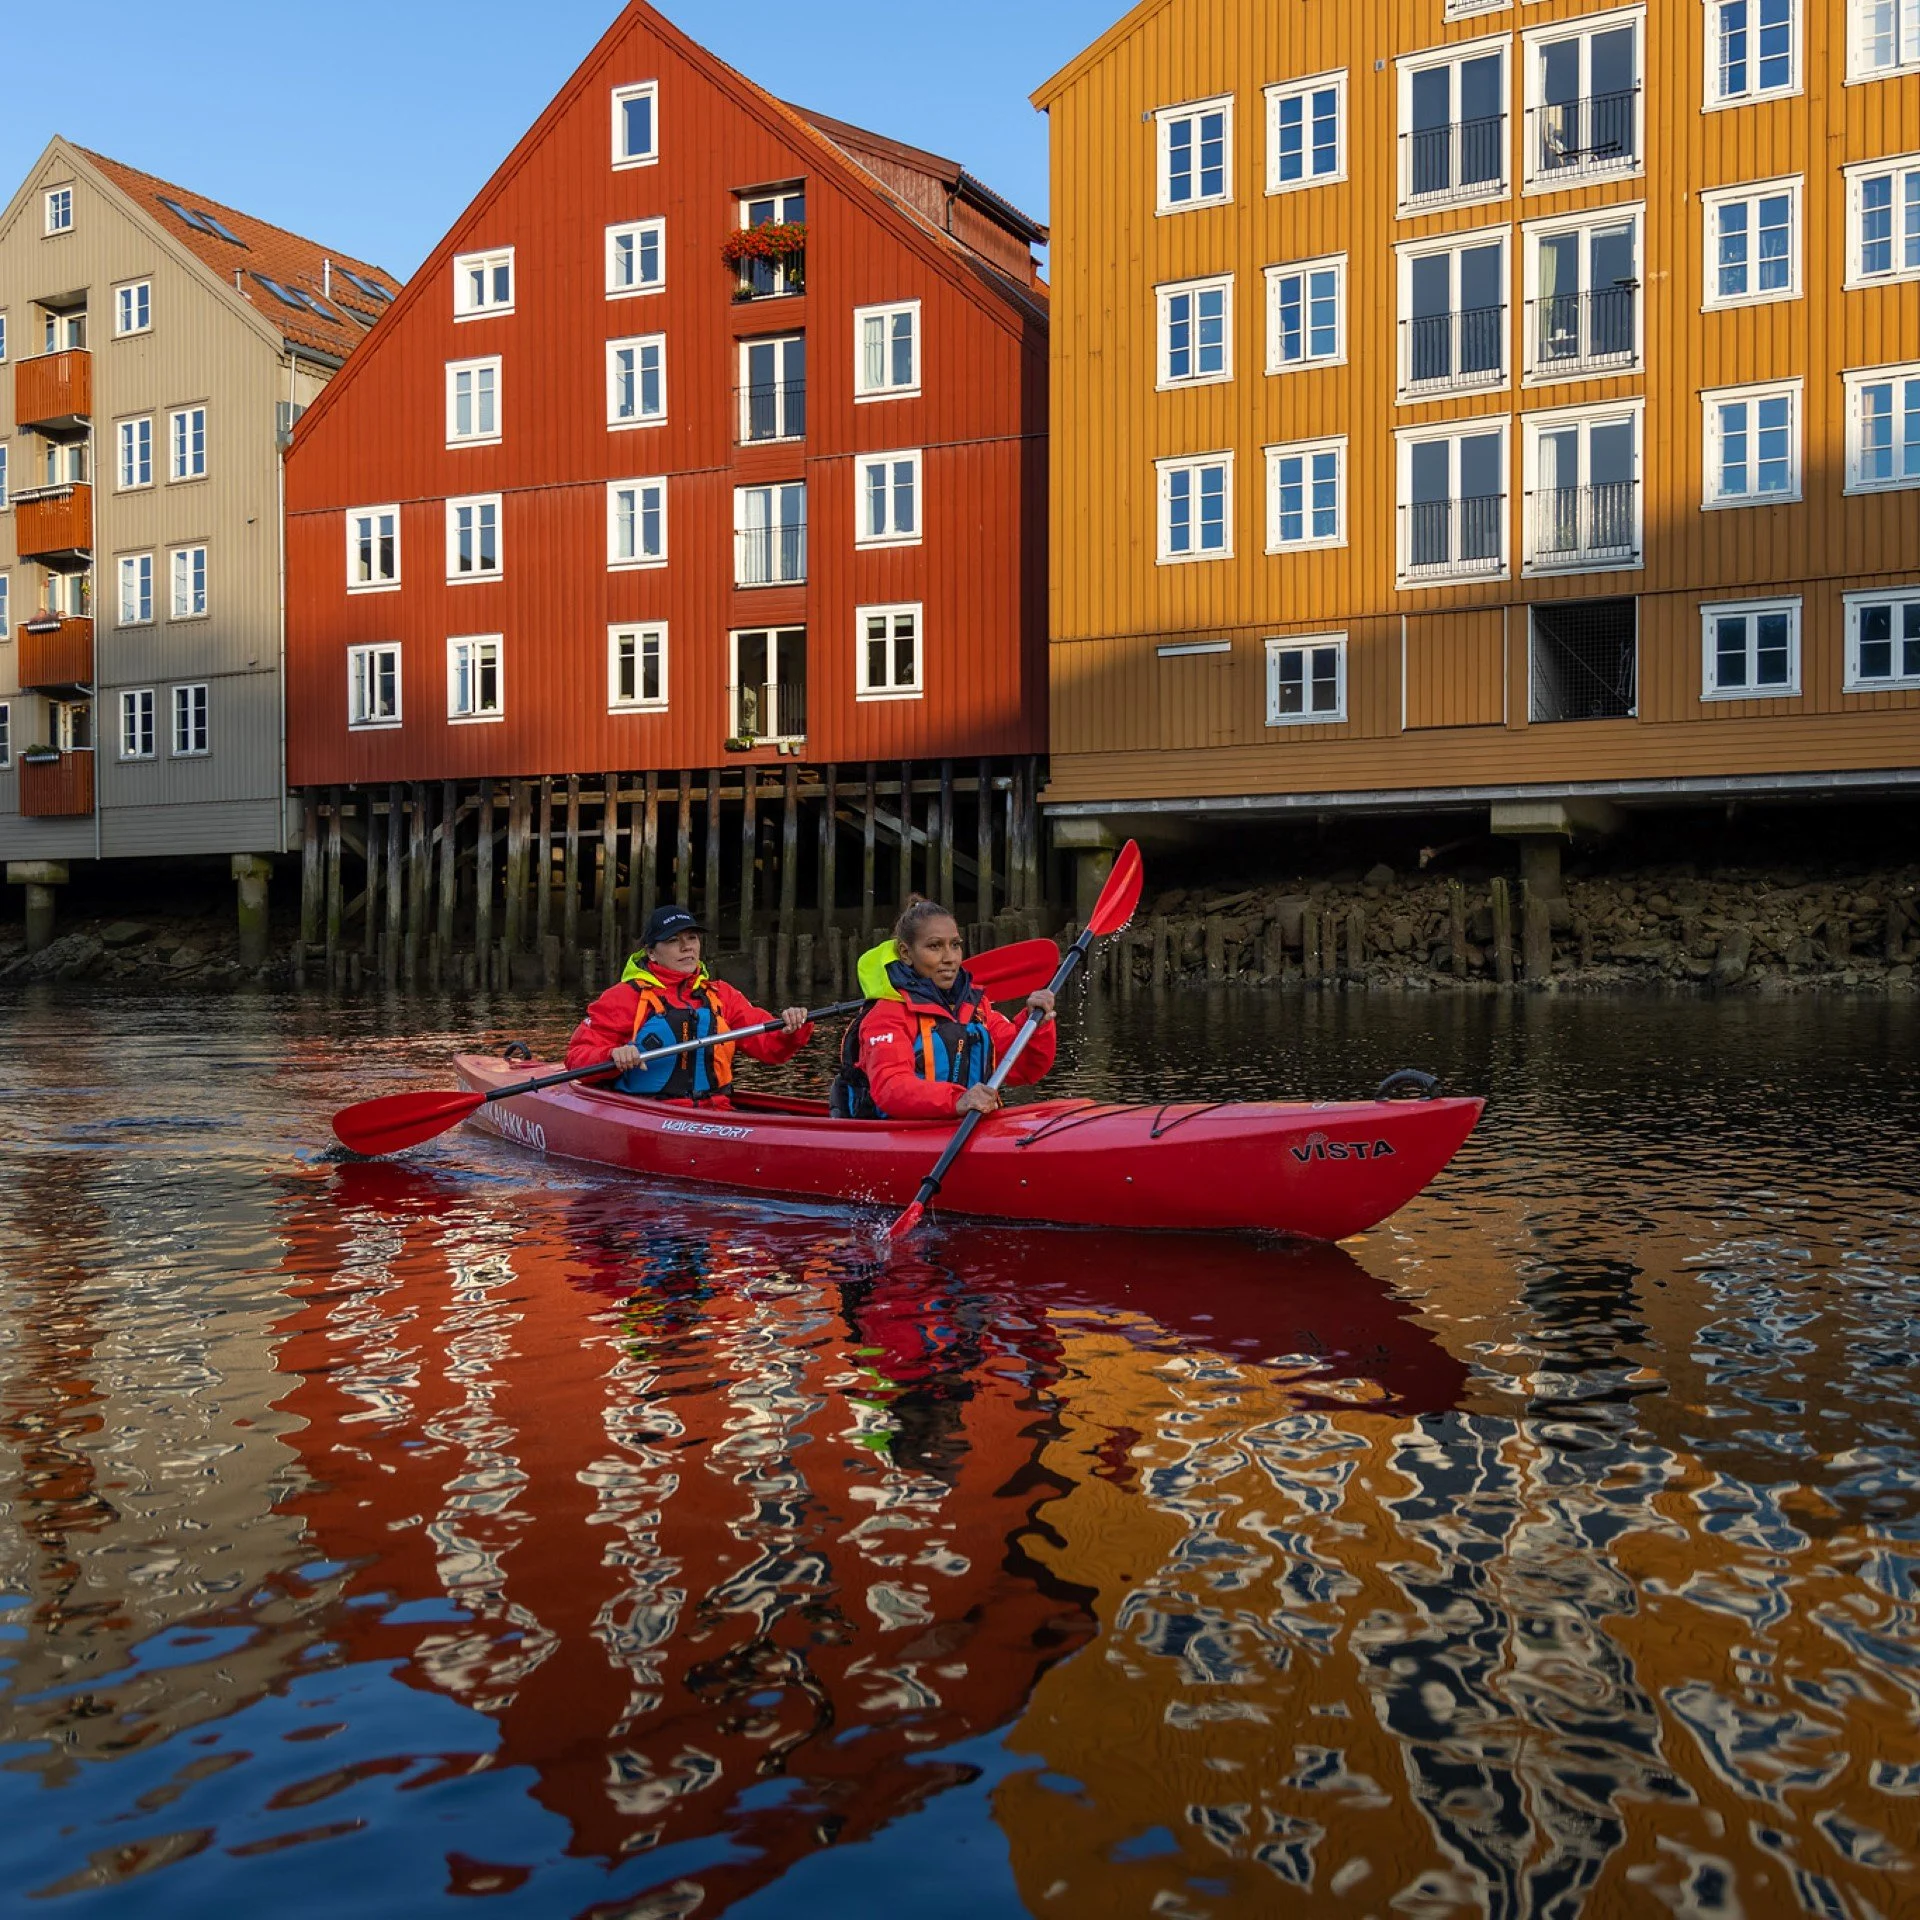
[264,257]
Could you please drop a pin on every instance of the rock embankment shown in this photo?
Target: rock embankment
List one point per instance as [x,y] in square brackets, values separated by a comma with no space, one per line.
[156,952]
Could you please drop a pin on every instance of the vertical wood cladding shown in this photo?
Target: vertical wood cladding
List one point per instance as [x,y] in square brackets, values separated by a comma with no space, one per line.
[979,419]
[1121,717]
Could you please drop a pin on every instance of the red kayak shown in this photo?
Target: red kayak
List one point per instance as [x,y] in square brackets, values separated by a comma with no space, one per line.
[1317,1172]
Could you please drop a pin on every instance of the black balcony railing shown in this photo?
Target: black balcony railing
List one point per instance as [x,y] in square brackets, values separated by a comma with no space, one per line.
[1583,526]
[1458,161]
[1455,349]
[771,556]
[1585,332]
[1569,140]
[771,410]
[1455,537]
[776,712]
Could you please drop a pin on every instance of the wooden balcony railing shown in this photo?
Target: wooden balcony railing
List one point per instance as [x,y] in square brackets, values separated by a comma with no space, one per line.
[56,652]
[57,789]
[54,389]
[53,520]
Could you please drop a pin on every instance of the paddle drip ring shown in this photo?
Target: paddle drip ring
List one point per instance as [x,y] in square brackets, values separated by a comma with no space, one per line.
[516,1053]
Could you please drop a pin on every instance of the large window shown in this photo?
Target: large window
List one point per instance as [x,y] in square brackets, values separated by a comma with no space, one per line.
[1883,639]
[1883,221]
[190,734]
[1453,313]
[136,589]
[636,258]
[1883,429]
[188,567]
[1307,681]
[373,549]
[1453,121]
[136,724]
[637,523]
[1196,155]
[1583,100]
[1583,661]
[768,687]
[887,502]
[1753,50]
[1196,509]
[473,402]
[637,669]
[888,667]
[1752,445]
[373,686]
[773,389]
[1196,332]
[187,444]
[133,308]
[1307,133]
[473,678]
[637,381]
[1884,38]
[1306,496]
[1453,503]
[482,284]
[1750,648]
[1583,490]
[1306,314]
[6,734]
[770,535]
[1753,243]
[1583,296]
[886,351]
[636,125]
[473,538]
[136,454]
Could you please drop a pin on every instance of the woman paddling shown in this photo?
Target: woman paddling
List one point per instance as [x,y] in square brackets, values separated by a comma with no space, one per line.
[928,1042]
[666,997]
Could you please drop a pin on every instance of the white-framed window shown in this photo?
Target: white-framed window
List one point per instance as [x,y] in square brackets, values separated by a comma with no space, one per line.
[1307,681]
[59,208]
[373,686]
[187,444]
[6,607]
[133,308]
[136,454]
[3,478]
[637,381]
[1583,482]
[636,523]
[3,334]
[136,589]
[637,669]
[1196,331]
[770,535]
[773,389]
[1307,132]
[773,207]
[1453,124]
[474,689]
[1883,639]
[1585,316]
[6,734]
[1453,313]
[136,724]
[636,258]
[1753,50]
[1453,501]
[373,549]
[1307,495]
[188,569]
[1196,509]
[1752,243]
[1195,144]
[1307,314]
[473,402]
[1883,428]
[1750,649]
[767,682]
[482,283]
[888,666]
[1883,221]
[887,499]
[1883,38]
[886,351]
[190,731]
[1584,100]
[636,124]
[1752,445]
[473,538]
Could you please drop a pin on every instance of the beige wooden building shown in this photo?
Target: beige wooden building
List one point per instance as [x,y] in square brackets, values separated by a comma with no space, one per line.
[155,349]
[1475,404]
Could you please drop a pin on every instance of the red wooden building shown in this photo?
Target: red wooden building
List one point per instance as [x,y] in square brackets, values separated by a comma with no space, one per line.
[682,528]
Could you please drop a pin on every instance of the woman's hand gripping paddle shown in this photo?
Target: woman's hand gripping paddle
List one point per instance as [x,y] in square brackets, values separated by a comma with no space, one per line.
[402,1120]
[1111,913]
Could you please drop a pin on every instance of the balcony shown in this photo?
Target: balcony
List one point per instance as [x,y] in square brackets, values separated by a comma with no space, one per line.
[767,713]
[53,523]
[59,789]
[1595,332]
[56,652]
[770,556]
[769,259]
[1584,527]
[1454,352]
[1459,160]
[55,391]
[1454,539]
[1571,141]
[769,411]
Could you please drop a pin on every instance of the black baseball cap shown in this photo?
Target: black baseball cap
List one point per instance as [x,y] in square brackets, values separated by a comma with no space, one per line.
[664,922]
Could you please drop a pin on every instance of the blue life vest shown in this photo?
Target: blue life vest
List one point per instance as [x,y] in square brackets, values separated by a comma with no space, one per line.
[662,1021]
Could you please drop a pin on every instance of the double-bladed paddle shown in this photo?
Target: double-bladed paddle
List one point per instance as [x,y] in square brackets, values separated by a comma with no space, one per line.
[397,1121]
[1110,915]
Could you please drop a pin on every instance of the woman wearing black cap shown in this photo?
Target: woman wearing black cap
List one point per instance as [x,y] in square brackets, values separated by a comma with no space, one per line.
[666,998]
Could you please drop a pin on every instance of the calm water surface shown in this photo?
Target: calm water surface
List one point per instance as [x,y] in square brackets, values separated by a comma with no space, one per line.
[374,1538]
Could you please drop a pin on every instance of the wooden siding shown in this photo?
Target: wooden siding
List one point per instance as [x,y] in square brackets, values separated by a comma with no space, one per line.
[1462,694]
[378,437]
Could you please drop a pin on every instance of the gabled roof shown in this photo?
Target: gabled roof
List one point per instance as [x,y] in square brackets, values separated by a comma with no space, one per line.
[327,313]
[1048,91]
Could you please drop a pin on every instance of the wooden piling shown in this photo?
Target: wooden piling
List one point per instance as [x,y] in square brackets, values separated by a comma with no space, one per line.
[449,864]
[749,853]
[943,891]
[1159,971]
[1273,950]
[1357,940]
[789,851]
[803,966]
[1502,933]
[782,967]
[370,929]
[829,851]
[1310,943]
[610,875]
[519,827]
[336,889]
[869,825]
[570,880]
[904,889]
[1536,929]
[762,968]
[643,866]
[683,842]
[543,869]
[419,854]
[483,883]
[1216,939]
[983,840]
[710,893]
[836,963]
[1457,928]
[311,878]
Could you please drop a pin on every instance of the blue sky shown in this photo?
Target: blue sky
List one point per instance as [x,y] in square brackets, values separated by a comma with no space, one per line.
[369,124]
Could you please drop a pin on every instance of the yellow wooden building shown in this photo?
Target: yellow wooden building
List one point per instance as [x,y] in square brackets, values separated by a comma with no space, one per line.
[1505,404]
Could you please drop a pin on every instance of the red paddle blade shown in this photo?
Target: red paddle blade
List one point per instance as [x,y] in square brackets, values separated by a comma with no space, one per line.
[907,1222]
[401,1120]
[1011,973]
[1121,895]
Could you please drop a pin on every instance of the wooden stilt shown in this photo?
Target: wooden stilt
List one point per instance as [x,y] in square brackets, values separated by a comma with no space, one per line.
[943,892]
[803,964]
[336,890]
[370,932]
[904,890]
[396,883]
[417,879]
[829,850]
[483,883]
[983,838]
[449,864]
[643,884]
[543,869]
[749,852]
[789,852]
[312,881]
[570,878]
[683,840]
[610,874]
[868,836]
[710,902]
[519,810]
